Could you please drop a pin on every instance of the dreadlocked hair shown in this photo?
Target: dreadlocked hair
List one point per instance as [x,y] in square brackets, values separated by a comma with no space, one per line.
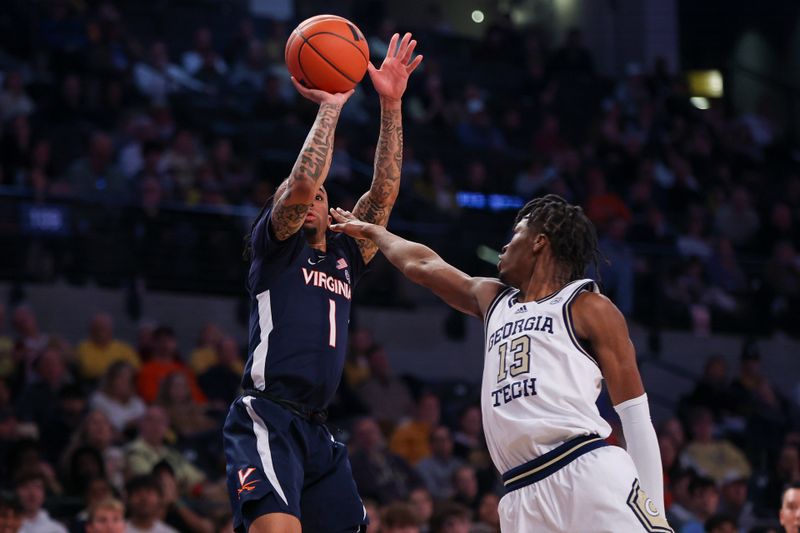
[572,236]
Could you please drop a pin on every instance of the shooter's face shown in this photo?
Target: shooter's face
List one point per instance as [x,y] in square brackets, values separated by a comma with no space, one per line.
[317,219]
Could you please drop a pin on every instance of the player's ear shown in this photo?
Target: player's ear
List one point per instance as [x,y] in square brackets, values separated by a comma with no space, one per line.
[539,242]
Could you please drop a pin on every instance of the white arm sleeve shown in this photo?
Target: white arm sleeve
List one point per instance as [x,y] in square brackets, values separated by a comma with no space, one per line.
[642,446]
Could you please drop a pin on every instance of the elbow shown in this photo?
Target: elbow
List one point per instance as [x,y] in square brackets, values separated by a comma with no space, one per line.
[301,189]
[415,272]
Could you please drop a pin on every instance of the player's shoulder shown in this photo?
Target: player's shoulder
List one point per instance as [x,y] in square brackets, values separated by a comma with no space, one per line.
[592,311]
[489,292]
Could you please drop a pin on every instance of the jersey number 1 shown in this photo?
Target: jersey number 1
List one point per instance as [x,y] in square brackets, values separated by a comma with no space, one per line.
[332,320]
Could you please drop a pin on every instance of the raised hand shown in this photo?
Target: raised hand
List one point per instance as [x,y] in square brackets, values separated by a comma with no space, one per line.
[391,79]
[321,97]
[347,223]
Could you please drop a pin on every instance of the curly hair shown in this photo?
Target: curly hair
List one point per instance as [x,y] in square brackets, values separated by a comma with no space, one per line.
[573,238]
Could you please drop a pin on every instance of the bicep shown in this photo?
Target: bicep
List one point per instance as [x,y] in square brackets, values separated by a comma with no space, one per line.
[602,324]
[467,294]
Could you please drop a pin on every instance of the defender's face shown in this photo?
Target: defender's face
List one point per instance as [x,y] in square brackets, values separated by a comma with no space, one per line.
[317,219]
[790,511]
[516,258]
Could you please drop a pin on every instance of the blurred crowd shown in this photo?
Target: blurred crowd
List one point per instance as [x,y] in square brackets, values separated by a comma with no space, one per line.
[697,212]
[697,209]
[133,427]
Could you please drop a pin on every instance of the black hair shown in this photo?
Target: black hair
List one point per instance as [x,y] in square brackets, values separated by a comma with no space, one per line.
[699,483]
[794,485]
[718,520]
[573,238]
[142,482]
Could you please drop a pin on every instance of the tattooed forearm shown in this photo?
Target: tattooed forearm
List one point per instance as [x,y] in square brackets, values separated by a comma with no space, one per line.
[287,219]
[311,168]
[315,158]
[376,205]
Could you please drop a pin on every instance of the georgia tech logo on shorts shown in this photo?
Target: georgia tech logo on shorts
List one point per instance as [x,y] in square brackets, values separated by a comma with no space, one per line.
[244,485]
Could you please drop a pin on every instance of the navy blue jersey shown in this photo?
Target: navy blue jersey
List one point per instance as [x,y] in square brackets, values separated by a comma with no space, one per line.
[299,312]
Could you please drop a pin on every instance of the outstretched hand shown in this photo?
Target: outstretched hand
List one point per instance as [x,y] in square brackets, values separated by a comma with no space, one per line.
[391,79]
[322,97]
[347,223]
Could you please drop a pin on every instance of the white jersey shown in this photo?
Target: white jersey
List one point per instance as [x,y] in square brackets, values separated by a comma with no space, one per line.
[539,384]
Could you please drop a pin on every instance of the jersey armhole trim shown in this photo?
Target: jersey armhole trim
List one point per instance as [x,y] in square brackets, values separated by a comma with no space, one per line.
[489,310]
[567,311]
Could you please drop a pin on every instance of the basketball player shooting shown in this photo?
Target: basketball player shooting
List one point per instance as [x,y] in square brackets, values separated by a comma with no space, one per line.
[285,471]
[551,338]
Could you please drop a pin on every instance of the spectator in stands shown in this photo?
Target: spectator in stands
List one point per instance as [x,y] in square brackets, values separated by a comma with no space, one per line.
[713,388]
[30,489]
[187,417]
[421,501]
[150,448]
[603,206]
[399,517]
[721,523]
[178,515]
[411,439]
[468,438]
[116,396]
[679,510]
[356,365]
[736,219]
[16,146]
[36,401]
[221,381]
[28,340]
[618,273]
[100,350]
[488,516]
[158,78]
[709,456]
[14,101]
[451,518]
[782,275]
[248,73]
[96,175]
[573,60]
[183,161]
[106,516]
[704,501]
[386,395]
[97,433]
[6,347]
[465,487]
[203,56]
[769,488]
[205,351]
[67,415]
[437,471]
[98,490]
[744,387]
[790,508]
[374,514]
[10,512]
[734,502]
[164,361]
[145,506]
[378,473]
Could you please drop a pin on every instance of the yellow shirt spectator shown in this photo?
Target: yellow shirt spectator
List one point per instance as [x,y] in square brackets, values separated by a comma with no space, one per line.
[101,349]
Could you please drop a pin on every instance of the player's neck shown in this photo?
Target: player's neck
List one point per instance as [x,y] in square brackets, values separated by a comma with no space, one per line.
[545,280]
[314,243]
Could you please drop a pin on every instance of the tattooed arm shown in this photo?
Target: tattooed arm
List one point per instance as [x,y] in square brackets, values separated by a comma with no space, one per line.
[390,83]
[296,194]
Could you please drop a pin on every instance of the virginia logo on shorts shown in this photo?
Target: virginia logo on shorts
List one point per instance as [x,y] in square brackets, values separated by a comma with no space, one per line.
[244,485]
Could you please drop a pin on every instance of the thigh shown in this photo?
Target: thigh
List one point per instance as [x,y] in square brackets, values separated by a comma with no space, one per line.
[597,493]
[330,502]
[607,487]
[263,464]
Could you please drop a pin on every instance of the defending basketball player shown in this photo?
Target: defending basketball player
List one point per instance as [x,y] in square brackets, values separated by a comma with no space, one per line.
[285,470]
[550,340]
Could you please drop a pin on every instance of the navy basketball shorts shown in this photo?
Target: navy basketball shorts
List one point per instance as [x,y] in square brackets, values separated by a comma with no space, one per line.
[280,462]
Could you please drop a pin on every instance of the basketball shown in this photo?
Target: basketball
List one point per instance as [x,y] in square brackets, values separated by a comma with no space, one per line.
[327,52]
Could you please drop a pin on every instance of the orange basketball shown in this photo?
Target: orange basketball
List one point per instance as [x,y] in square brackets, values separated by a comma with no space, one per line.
[327,52]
